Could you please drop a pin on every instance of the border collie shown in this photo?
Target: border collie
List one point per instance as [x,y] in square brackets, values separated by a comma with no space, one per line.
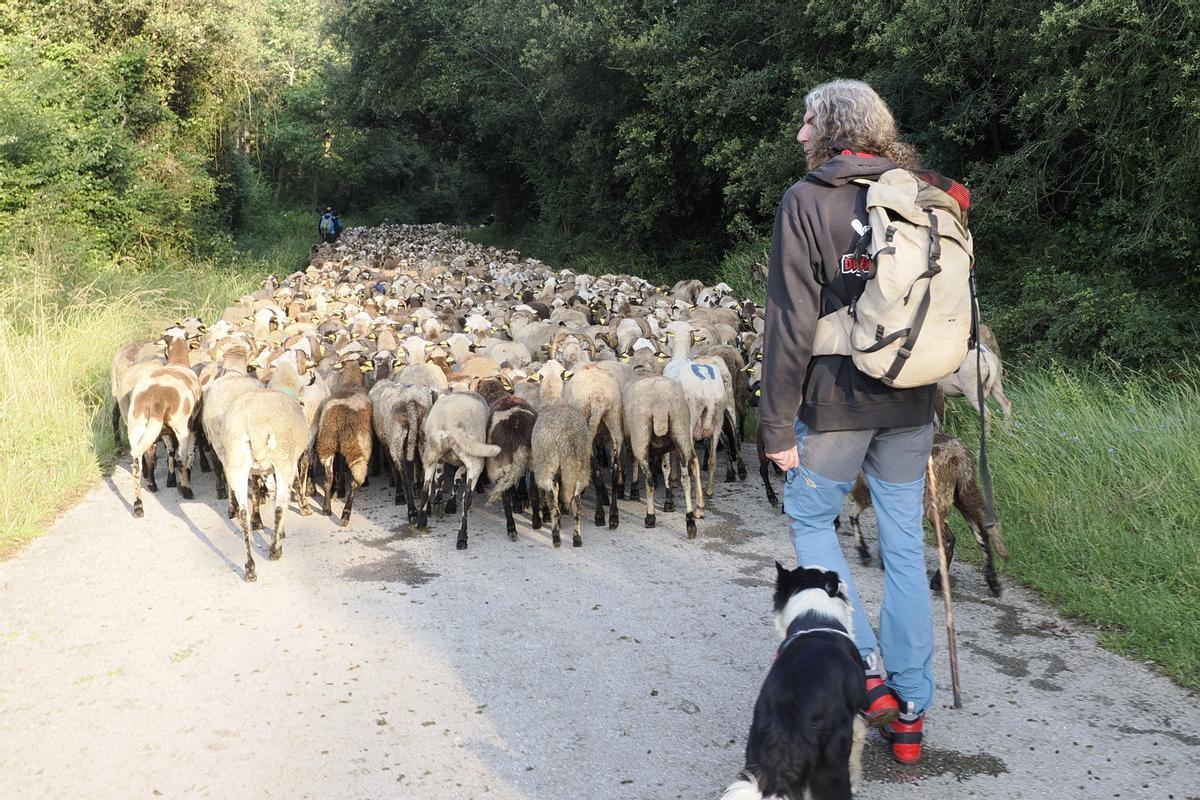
[808,731]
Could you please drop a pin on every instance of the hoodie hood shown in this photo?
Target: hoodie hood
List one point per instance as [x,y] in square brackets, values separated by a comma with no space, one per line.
[840,169]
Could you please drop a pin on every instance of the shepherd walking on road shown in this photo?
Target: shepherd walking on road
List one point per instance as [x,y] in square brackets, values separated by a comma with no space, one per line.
[823,420]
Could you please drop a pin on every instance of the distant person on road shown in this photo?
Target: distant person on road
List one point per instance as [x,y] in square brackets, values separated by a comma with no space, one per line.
[822,421]
[329,227]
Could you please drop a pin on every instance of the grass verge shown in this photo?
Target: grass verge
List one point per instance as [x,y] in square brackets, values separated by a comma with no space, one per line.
[1095,489]
[63,313]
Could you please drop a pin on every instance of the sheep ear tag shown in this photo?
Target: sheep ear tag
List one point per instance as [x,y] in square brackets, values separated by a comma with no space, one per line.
[365,367]
[567,375]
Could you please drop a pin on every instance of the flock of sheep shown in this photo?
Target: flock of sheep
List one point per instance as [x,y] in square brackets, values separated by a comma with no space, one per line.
[405,349]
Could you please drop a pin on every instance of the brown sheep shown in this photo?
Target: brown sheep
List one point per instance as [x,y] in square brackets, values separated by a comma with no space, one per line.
[954,471]
[163,400]
[345,430]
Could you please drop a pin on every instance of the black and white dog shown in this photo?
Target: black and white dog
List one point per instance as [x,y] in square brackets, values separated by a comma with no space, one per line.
[808,731]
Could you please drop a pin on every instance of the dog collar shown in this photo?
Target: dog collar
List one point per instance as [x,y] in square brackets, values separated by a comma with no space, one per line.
[793,637]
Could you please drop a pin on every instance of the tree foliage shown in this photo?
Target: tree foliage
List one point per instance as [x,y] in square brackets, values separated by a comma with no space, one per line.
[668,127]
[659,128]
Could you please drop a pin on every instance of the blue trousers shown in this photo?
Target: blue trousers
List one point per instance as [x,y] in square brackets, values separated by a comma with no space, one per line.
[893,460]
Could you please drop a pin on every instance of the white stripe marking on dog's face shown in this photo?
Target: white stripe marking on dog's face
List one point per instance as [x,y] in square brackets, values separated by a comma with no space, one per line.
[816,601]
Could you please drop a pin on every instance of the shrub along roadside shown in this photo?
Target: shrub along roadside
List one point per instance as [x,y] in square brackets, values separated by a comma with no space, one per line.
[1095,489]
[63,315]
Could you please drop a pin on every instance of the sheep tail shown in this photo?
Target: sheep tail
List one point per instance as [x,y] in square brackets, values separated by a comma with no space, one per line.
[511,476]
[467,446]
[143,433]
[259,446]
[661,416]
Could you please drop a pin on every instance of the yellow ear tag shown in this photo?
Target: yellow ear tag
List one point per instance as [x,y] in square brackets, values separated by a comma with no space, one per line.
[758,392]
[567,375]
[449,359]
[366,367]
[338,365]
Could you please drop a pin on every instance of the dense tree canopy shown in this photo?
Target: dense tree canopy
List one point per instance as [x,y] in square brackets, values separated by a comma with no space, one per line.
[651,126]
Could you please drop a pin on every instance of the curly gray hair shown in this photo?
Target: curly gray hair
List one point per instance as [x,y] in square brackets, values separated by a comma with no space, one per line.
[850,115]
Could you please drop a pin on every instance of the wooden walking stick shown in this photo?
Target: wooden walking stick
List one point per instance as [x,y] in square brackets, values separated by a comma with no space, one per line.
[944,571]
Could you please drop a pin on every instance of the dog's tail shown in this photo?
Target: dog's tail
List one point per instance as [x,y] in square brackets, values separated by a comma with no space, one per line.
[746,789]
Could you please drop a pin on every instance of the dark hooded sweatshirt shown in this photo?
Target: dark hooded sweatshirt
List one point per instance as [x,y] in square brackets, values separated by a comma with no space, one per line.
[807,280]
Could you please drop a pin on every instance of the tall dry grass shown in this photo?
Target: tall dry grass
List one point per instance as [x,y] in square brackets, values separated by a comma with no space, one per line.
[62,317]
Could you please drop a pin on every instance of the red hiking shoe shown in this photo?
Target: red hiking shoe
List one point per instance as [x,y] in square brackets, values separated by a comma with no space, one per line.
[882,706]
[905,737]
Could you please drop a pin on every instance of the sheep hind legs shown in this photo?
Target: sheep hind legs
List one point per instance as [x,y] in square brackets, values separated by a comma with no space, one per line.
[466,495]
[354,487]
[136,470]
[510,524]
[535,503]
[555,514]
[599,485]
[149,465]
[690,516]
[648,477]
[668,465]
[935,580]
[732,457]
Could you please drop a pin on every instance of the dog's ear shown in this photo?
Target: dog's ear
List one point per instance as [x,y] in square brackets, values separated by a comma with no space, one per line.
[779,570]
[833,584]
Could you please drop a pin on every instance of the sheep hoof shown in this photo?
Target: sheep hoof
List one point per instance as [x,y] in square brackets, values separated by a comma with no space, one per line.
[170,480]
[994,586]
[600,518]
[741,472]
[935,582]
[251,575]
[151,487]
[344,521]
[730,477]
[186,492]
[305,511]
[577,541]
[461,544]
[691,525]
[138,511]
[326,509]
[669,505]
[276,552]
[512,534]
[613,522]
[222,494]
[650,522]
[451,507]
[556,540]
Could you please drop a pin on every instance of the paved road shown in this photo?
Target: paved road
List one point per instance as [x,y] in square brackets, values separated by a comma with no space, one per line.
[373,662]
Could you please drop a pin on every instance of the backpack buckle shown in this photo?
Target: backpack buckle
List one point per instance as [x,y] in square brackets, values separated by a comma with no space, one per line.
[903,352]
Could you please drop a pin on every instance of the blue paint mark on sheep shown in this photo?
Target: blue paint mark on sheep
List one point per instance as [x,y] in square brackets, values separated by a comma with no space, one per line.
[704,371]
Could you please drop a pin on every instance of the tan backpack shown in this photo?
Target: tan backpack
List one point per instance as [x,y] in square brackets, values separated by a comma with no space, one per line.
[911,324]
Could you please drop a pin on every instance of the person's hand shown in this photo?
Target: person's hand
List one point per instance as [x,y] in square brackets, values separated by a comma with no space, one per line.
[788,459]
